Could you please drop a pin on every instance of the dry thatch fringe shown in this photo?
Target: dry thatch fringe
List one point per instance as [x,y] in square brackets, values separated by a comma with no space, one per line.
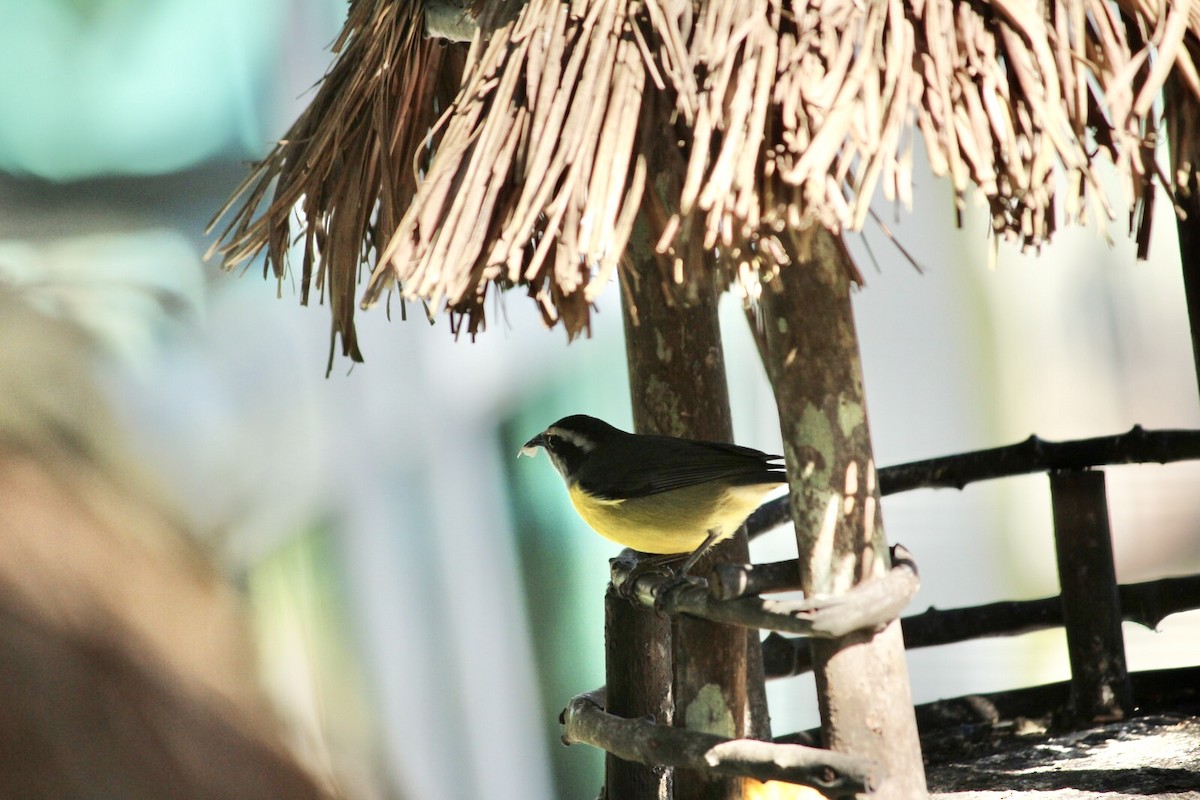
[536,180]
[763,116]
[348,166]
[1004,95]
[790,113]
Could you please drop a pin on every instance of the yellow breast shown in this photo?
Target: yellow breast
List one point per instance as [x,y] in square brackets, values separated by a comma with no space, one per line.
[677,521]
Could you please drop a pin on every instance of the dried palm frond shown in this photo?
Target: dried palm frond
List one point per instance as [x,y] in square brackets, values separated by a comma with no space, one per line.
[349,166]
[726,124]
[1004,93]
[535,180]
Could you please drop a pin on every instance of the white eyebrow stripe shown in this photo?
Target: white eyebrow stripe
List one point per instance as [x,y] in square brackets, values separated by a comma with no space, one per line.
[571,437]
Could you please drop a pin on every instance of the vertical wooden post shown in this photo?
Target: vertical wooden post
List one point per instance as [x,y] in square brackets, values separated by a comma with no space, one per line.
[678,388]
[814,366]
[1100,688]
[1182,112]
[637,653]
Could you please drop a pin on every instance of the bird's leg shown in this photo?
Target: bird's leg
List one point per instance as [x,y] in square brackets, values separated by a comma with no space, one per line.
[631,565]
[652,565]
[665,592]
[699,551]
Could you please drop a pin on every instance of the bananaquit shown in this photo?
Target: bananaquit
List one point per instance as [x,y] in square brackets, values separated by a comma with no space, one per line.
[657,494]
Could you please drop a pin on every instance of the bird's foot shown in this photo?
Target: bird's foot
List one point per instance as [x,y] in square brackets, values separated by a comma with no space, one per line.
[630,567]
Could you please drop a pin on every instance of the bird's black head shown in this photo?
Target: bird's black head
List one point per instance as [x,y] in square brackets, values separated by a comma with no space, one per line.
[569,441]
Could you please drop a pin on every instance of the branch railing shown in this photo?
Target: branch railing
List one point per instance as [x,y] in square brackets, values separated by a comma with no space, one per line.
[1091,607]
[1145,604]
[867,607]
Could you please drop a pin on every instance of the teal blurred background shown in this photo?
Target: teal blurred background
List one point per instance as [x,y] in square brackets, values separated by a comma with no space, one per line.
[426,604]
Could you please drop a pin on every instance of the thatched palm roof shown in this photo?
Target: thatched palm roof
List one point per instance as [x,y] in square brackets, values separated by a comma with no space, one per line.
[525,160]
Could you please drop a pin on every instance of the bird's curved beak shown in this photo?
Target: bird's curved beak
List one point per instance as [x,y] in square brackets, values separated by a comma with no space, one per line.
[530,448]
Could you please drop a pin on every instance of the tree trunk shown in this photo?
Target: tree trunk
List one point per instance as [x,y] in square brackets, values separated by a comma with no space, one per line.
[678,388]
[814,365]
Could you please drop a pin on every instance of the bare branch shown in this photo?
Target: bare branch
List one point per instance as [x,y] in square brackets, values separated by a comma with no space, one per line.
[1137,446]
[1143,603]
[769,516]
[838,774]
[1155,690]
[867,607]
[731,581]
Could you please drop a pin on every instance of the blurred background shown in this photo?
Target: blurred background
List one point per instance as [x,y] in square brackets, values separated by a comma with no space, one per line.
[423,604]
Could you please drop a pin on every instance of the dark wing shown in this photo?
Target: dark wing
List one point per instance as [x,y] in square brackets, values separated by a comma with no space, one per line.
[636,466]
